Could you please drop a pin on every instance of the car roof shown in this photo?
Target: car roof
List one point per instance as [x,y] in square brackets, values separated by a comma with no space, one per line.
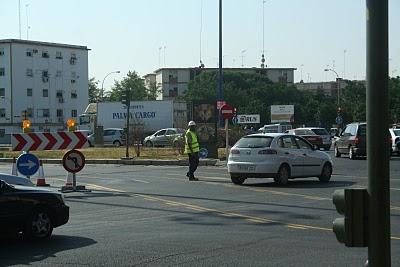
[114,129]
[309,128]
[267,134]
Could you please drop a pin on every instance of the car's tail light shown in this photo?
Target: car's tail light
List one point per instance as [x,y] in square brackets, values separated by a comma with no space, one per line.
[357,140]
[267,152]
[235,152]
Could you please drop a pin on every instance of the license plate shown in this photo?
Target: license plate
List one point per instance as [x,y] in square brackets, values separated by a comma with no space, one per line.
[246,167]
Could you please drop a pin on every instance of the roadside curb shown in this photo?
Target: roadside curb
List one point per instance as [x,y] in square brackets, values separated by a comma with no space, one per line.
[155,162]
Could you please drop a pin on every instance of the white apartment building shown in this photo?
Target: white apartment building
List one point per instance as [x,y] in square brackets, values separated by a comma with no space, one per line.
[47,82]
[173,82]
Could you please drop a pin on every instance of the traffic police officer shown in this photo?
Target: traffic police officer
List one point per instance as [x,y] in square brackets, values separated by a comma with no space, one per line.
[192,148]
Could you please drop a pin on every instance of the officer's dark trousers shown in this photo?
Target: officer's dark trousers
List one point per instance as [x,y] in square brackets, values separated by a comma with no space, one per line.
[193,163]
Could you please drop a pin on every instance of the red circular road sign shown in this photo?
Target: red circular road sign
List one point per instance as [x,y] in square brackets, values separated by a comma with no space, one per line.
[73,161]
[227,111]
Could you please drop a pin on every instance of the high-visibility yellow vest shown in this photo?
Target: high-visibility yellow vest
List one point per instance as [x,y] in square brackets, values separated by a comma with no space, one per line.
[195,142]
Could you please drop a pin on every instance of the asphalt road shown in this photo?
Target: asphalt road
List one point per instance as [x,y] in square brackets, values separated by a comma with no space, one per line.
[153,216]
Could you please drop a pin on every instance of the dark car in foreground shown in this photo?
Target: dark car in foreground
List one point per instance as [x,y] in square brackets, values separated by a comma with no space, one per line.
[30,210]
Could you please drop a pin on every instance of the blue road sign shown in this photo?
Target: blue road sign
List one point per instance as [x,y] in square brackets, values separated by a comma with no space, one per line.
[27,164]
[235,120]
[339,119]
[203,153]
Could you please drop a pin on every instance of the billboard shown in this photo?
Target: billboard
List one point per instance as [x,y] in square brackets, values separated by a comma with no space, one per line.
[247,119]
[282,113]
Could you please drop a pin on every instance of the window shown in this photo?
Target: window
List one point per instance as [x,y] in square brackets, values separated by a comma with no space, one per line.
[29,53]
[2,72]
[254,142]
[72,59]
[29,72]
[45,73]
[3,92]
[59,73]
[73,75]
[2,132]
[1,52]
[73,81]
[170,132]
[45,92]
[29,92]
[302,144]
[59,94]
[29,112]
[46,112]
[58,55]
[287,142]
[45,54]
[2,112]
[174,92]
[59,113]
[74,113]
[74,95]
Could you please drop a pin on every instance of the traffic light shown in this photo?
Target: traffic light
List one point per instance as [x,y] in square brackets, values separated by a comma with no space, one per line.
[26,124]
[126,98]
[71,125]
[352,230]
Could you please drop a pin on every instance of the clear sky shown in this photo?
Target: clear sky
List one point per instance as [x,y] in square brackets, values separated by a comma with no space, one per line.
[127,34]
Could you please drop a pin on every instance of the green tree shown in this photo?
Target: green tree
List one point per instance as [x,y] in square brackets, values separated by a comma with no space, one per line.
[153,91]
[353,102]
[133,83]
[94,90]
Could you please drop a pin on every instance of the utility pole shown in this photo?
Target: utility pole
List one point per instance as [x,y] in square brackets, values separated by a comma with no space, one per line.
[220,96]
[377,130]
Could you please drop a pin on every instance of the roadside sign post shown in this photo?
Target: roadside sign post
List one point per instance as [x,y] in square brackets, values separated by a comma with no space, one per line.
[227,112]
[73,162]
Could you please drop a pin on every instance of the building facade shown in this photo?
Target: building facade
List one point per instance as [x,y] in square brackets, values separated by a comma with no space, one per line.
[46,83]
[173,82]
[327,88]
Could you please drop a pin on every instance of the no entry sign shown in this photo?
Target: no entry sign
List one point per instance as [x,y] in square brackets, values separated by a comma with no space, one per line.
[227,111]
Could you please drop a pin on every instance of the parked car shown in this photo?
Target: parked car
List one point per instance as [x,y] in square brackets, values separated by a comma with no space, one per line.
[111,136]
[323,133]
[163,137]
[352,141]
[395,140]
[31,210]
[279,156]
[307,134]
[17,180]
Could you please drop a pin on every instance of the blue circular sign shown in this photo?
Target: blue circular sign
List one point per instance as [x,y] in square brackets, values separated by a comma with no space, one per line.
[27,164]
[339,119]
[235,120]
[203,153]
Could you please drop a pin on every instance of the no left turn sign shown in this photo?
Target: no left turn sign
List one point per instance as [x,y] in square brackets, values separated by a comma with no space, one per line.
[73,161]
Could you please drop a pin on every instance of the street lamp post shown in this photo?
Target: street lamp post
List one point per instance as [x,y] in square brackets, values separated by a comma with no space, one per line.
[102,84]
[338,82]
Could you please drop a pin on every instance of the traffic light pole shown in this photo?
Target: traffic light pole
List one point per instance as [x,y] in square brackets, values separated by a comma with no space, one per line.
[377,132]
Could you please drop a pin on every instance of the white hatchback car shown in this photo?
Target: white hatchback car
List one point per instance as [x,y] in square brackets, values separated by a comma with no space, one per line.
[395,139]
[278,156]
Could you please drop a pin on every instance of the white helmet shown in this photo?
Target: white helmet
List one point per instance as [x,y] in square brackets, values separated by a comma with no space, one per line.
[191,123]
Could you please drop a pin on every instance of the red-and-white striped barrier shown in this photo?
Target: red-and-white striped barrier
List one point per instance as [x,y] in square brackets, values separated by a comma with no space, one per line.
[48,141]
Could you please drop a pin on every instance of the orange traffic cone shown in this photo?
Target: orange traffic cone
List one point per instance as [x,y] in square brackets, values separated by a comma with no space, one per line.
[14,167]
[41,181]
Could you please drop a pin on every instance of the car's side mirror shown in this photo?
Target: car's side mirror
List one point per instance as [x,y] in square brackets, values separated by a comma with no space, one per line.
[2,185]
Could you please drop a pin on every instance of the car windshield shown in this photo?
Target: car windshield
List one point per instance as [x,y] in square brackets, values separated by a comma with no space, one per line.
[396,132]
[320,131]
[180,131]
[254,142]
[362,130]
[304,132]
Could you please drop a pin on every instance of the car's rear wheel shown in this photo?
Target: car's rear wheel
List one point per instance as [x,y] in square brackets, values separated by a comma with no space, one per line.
[283,175]
[337,153]
[239,180]
[39,226]
[117,143]
[352,155]
[326,173]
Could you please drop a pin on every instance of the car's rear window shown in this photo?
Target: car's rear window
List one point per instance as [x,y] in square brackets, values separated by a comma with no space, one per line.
[396,132]
[362,130]
[320,131]
[254,142]
[304,132]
